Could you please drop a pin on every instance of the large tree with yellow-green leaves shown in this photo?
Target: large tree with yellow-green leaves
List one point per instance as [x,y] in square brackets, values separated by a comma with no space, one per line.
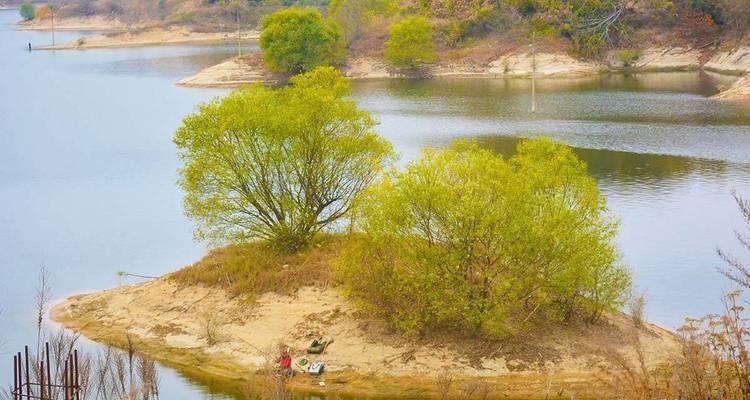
[464,239]
[410,43]
[278,164]
[298,39]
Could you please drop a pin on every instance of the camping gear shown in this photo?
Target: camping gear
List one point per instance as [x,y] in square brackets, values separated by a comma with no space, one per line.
[318,346]
[301,364]
[316,368]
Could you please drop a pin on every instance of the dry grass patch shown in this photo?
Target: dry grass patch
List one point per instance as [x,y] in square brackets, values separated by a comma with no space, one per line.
[250,269]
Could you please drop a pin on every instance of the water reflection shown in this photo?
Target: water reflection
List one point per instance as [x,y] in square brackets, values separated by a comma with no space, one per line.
[626,168]
[646,113]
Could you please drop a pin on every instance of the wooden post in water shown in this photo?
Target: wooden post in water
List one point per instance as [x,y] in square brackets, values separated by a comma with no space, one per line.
[533,72]
[49,374]
[15,378]
[28,376]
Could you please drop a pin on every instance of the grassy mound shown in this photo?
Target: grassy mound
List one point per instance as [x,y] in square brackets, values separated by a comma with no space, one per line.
[251,269]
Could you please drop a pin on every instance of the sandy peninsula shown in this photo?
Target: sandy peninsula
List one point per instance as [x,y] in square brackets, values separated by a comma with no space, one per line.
[167,320]
[95,23]
[153,37]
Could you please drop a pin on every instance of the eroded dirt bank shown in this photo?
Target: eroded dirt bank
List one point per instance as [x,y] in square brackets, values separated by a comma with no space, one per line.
[249,69]
[168,322]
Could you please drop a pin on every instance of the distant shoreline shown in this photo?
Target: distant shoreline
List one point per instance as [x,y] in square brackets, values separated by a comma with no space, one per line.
[248,69]
[80,24]
[152,37]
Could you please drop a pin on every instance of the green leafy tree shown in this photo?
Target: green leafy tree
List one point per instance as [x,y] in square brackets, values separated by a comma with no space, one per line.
[299,39]
[26,10]
[465,239]
[410,44]
[278,164]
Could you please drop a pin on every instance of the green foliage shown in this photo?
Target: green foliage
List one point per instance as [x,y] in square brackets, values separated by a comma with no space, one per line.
[300,39]
[541,27]
[464,239]
[26,10]
[483,21]
[628,56]
[278,164]
[410,44]
[587,46]
[353,15]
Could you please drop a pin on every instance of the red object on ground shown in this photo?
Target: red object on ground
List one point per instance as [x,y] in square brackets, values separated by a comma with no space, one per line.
[285,361]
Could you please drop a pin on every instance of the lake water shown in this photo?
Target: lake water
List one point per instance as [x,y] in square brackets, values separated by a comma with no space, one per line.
[88,169]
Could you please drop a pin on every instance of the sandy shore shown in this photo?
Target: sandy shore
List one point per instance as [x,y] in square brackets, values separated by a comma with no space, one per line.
[93,23]
[152,37]
[236,72]
[168,323]
[739,91]
[249,69]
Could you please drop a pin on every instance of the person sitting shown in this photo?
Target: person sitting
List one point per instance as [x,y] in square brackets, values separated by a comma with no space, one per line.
[285,362]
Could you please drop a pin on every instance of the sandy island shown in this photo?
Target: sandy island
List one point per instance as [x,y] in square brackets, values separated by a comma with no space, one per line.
[167,322]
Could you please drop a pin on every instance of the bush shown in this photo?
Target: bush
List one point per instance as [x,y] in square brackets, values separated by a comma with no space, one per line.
[410,44]
[628,57]
[463,239]
[278,164]
[299,39]
[26,10]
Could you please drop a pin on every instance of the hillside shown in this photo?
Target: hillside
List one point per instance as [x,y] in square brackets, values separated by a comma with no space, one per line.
[474,29]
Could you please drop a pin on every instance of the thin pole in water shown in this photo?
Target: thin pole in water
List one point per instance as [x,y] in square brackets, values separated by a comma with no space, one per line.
[533,72]
[52,13]
[239,33]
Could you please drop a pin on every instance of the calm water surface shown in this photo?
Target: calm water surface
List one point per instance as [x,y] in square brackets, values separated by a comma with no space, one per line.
[87,167]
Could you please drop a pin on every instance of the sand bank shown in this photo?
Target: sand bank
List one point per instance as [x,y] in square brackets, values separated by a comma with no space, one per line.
[93,23]
[154,37]
[168,322]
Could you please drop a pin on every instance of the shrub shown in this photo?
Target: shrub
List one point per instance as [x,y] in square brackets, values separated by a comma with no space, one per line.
[43,12]
[637,310]
[299,39]
[26,10]
[628,57]
[410,44]
[463,239]
[278,164]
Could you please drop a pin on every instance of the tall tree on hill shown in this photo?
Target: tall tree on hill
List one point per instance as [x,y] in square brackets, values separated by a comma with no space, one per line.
[278,164]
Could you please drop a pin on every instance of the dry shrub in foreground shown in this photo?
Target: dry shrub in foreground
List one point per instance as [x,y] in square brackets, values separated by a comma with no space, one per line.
[250,269]
[713,363]
[106,374]
[267,384]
